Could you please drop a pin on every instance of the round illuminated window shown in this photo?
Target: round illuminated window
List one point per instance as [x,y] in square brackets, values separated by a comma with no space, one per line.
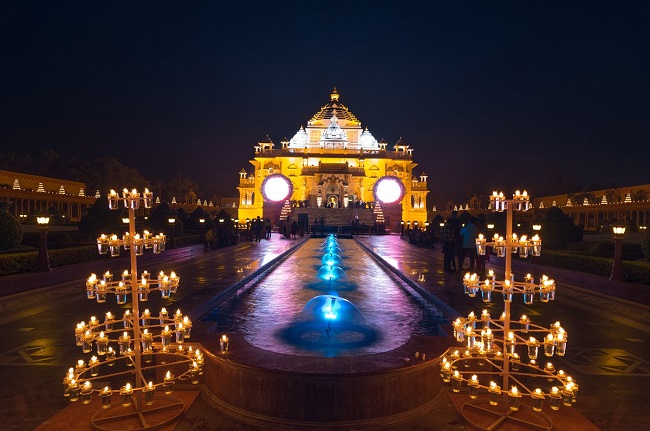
[277,187]
[388,190]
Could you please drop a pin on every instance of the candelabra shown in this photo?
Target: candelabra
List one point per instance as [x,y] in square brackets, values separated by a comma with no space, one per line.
[491,344]
[135,339]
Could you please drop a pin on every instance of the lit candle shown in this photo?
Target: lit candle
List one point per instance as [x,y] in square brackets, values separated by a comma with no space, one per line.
[555,398]
[148,392]
[80,367]
[194,373]
[144,317]
[110,357]
[514,399]
[74,390]
[446,372]
[187,324]
[560,343]
[86,392]
[175,281]
[224,342]
[180,333]
[124,342]
[166,337]
[79,331]
[87,342]
[143,290]
[515,362]
[533,347]
[126,392]
[168,383]
[90,286]
[120,293]
[495,392]
[457,380]
[550,371]
[524,322]
[473,387]
[147,341]
[93,365]
[163,315]
[127,317]
[538,399]
[102,343]
[100,292]
[549,345]
[108,321]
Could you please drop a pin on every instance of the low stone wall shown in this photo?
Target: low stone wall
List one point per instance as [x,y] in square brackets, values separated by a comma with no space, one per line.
[267,387]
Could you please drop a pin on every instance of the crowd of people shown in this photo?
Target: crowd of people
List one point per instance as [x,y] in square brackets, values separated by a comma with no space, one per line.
[457,243]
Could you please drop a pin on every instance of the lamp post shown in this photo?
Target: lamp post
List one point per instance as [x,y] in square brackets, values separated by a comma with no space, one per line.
[617,266]
[202,224]
[172,236]
[43,258]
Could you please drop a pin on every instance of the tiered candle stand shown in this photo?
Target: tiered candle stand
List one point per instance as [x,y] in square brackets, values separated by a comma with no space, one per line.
[143,346]
[491,344]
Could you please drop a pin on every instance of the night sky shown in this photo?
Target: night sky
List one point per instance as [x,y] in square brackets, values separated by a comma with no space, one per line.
[489,94]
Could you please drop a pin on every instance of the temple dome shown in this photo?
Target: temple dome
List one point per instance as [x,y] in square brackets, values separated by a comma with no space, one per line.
[366,140]
[335,107]
[300,139]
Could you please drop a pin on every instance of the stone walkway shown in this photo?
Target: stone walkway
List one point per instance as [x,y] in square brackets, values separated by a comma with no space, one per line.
[607,352]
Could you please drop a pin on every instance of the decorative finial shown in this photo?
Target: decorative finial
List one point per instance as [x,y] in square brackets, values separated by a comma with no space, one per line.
[334,96]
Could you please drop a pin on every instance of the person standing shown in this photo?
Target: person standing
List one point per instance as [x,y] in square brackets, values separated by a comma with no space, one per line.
[468,236]
[448,240]
[258,226]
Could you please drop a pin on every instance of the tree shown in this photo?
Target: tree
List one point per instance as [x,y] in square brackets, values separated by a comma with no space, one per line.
[11,233]
[558,230]
[100,219]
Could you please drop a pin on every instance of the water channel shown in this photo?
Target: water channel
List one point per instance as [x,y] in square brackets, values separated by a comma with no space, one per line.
[328,299]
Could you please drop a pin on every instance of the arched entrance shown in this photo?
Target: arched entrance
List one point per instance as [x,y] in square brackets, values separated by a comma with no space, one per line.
[332,201]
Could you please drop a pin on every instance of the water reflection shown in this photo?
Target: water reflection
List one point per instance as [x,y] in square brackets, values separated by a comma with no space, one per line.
[373,311]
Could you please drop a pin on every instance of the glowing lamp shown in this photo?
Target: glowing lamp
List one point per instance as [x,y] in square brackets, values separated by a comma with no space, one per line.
[619,231]
[388,190]
[277,187]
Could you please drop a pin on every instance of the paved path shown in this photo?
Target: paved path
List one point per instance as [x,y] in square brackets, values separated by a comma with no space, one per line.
[37,326]
[608,351]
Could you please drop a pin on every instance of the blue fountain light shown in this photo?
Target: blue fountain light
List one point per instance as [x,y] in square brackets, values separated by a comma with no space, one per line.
[331,259]
[330,272]
[329,310]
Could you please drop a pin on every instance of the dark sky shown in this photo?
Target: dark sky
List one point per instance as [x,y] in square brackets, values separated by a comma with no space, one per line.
[489,94]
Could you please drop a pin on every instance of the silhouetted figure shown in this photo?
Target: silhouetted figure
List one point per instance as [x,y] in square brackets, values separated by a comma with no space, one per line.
[468,236]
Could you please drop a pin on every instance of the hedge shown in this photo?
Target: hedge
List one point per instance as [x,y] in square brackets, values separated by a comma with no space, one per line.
[635,272]
[16,263]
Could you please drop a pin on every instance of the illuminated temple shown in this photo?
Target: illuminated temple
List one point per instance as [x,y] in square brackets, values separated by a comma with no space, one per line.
[335,169]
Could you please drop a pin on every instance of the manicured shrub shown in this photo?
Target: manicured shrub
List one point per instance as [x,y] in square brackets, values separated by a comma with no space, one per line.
[11,233]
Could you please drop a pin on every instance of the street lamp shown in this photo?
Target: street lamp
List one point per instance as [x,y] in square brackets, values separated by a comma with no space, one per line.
[172,237]
[617,266]
[43,258]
